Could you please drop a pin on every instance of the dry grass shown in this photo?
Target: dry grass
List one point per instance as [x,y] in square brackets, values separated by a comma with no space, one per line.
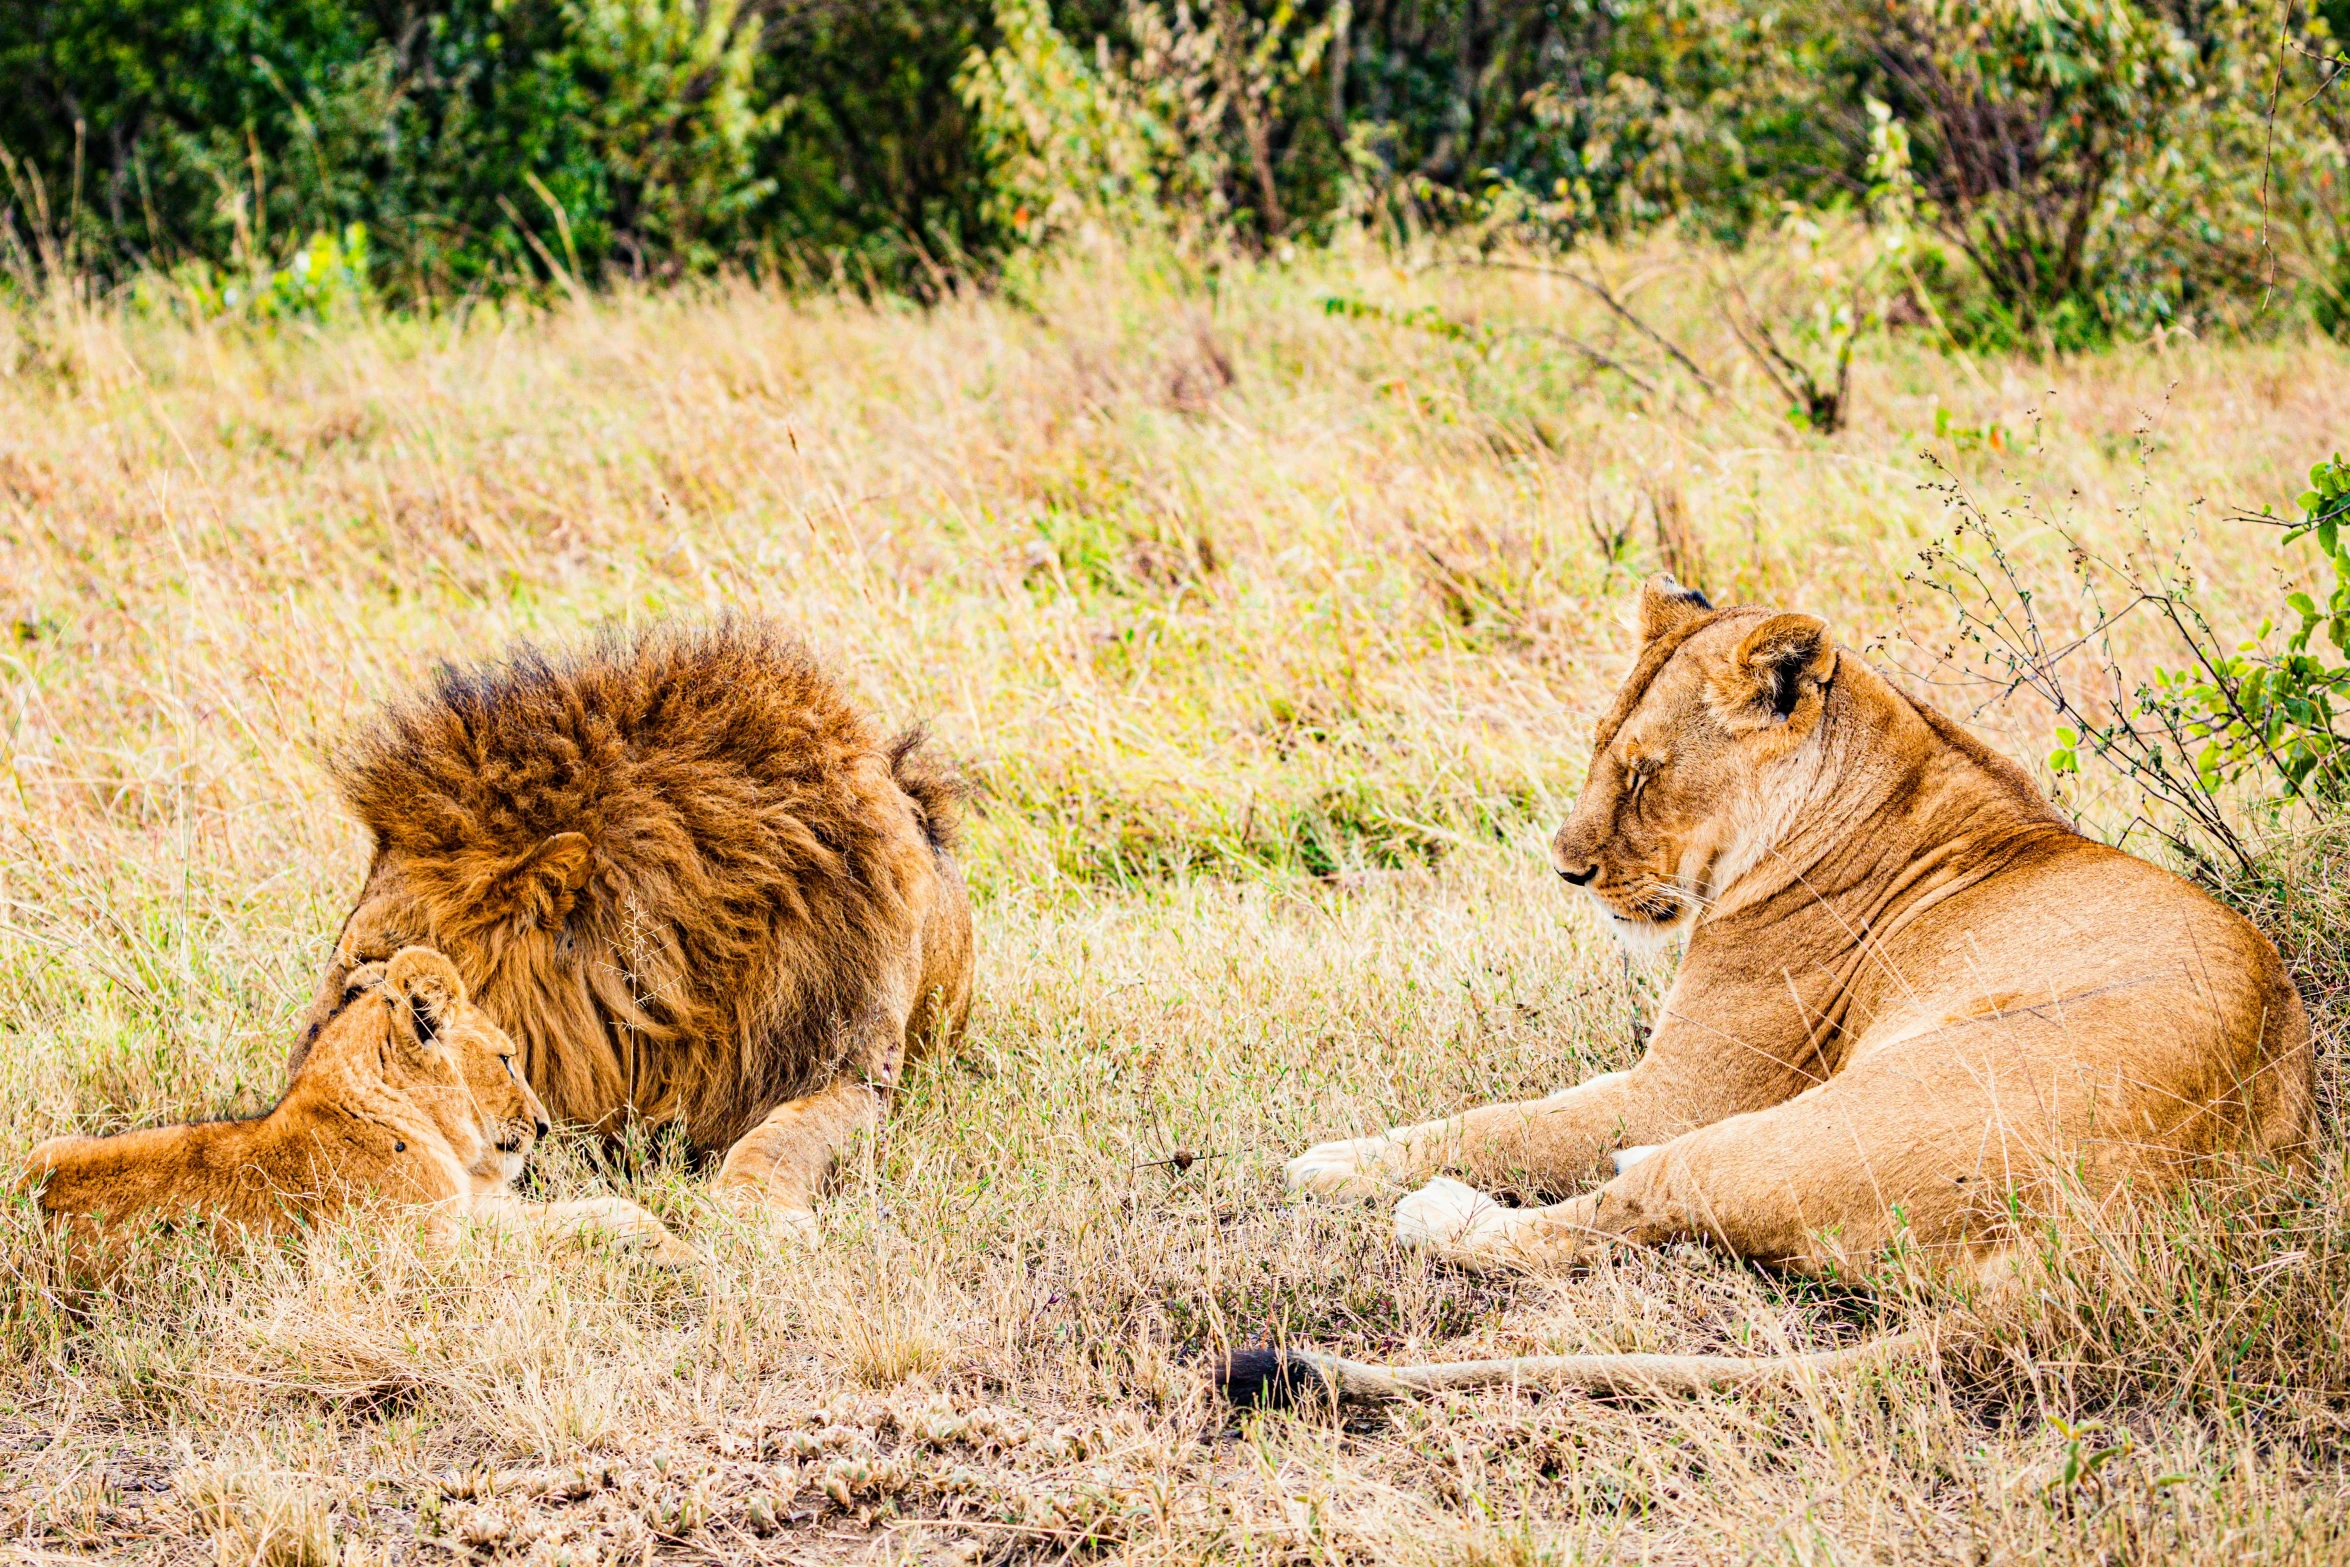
[1275,687]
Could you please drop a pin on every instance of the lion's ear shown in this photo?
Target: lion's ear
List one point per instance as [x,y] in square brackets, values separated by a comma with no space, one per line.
[540,886]
[426,991]
[1665,606]
[1779,666]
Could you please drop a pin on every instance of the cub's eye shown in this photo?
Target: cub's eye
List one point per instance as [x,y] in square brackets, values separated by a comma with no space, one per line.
[352,993]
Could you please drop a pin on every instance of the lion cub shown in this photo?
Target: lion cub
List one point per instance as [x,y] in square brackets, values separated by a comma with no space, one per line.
[410,1095]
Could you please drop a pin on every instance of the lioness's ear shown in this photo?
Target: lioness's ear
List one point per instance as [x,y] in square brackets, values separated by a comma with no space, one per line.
[539,887]
[1782,664]
[1665,606]
[427,988]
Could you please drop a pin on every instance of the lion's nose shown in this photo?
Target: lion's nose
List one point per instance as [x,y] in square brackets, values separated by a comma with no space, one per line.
[543,1127]
[1574,877]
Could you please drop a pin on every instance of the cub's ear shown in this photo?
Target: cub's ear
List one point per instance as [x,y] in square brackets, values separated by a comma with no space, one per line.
[1665,606]
[539,886]
[426,991]
[1781,665]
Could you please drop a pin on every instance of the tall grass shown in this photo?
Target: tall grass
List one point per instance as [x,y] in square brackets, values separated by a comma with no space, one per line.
[1273,635]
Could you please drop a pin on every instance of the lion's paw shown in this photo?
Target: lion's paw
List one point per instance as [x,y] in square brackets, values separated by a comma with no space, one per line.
[1454,1220]
[1364,1168]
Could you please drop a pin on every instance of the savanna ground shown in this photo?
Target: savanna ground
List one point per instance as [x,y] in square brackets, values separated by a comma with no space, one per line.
[1273,638]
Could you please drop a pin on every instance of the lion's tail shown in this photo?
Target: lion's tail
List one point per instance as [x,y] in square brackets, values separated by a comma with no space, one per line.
[1281,1377]
[935,788]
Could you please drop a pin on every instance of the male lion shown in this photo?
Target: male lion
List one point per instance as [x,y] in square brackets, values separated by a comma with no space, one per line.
[1910,987]
[691,879]
[407,1094]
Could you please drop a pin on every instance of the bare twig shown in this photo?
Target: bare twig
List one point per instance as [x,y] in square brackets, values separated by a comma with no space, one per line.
[1623,312]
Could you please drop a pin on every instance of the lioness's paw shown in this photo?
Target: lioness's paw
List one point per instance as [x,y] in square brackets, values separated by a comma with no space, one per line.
[1363,1167]
[1626,1158]
[1456,1221]
[794,1226]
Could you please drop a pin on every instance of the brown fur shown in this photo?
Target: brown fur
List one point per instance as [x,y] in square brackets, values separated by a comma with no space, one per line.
[686,874]
[1910,988]
[407,1095]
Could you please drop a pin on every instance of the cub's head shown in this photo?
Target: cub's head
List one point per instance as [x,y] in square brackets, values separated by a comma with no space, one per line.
[406,1022]
[1697,767]
[508,1116]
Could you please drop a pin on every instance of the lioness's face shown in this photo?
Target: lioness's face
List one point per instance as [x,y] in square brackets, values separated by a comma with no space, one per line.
[1686,791]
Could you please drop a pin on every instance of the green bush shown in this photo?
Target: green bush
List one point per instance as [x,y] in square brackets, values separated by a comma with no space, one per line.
[2271,714]
[484,143]
[2083,167]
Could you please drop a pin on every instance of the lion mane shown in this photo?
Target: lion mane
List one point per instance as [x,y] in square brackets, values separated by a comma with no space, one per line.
[676,864]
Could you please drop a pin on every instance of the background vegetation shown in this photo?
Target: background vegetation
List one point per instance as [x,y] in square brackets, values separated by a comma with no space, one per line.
[2078,167]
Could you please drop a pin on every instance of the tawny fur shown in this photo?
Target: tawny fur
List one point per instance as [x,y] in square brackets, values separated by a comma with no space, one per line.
[689,877]
[408,1095]
[1911,990]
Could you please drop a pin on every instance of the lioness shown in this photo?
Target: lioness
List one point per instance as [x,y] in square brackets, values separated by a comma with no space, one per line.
[1910,988]
[688,876]
[408,1094]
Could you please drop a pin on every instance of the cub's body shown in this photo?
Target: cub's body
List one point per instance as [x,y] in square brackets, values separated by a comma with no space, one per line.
[407,1098]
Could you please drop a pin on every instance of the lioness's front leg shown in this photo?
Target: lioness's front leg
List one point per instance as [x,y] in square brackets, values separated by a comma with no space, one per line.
[1702,1064]
[1545,1143]
[1906,1148]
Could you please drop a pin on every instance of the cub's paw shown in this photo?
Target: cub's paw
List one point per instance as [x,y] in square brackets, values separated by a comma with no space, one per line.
[1364,1168]
[1456,1221]
[642,1235]
[662,1246]
[1626,1158]
[794,1226]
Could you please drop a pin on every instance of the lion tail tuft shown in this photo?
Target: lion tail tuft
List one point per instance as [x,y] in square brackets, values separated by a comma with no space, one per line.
[1273,1378]
[1279,1378]
[936,789]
